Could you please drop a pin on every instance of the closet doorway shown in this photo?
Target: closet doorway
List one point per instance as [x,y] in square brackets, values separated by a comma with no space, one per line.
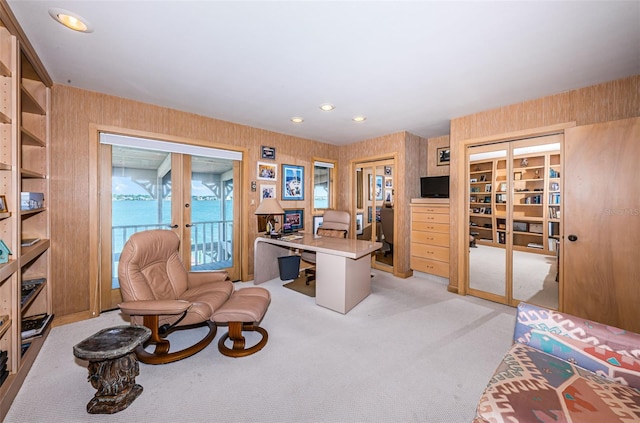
[514,220]
[373,207]
[150,184]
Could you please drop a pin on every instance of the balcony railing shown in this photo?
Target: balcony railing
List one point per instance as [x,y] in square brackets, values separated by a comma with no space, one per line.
[211,244]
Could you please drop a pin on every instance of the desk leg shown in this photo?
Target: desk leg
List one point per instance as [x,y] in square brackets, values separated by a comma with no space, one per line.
[341,283]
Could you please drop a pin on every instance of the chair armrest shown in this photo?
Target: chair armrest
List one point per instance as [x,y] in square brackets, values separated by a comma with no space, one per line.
[154,307]
[195,279]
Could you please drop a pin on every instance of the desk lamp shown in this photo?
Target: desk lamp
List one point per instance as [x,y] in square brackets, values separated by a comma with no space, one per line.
[269,207]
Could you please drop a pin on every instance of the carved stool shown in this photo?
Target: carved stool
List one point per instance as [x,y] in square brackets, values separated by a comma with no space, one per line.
[113,366]
[243,312]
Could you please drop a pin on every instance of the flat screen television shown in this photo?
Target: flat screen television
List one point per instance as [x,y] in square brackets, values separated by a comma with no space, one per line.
[434,187]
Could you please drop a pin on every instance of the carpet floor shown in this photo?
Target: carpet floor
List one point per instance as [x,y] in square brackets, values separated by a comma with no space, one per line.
[410,352]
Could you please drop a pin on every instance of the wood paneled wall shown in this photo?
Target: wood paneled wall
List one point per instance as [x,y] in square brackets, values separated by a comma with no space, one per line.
[609,101]
[72,170]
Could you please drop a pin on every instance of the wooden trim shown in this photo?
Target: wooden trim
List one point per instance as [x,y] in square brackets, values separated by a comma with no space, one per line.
[460,214]
[94,213]
[11,23]
[332,178]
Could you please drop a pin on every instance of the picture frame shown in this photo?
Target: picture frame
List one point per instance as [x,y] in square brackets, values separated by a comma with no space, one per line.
[292,182]
[267,191]
[443,156]
[388,196]
[520,226]
[379,185]
[295,218]
[369,210]
[487,188]
[359,223]
[267,171]
[3,204]
[317,223]
[267,152]
[387,170]
[388,182]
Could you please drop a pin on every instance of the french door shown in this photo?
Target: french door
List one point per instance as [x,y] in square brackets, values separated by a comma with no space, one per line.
[373,190]
[152,188]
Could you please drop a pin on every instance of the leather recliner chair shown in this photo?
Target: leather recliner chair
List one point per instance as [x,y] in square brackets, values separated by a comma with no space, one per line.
[160,294]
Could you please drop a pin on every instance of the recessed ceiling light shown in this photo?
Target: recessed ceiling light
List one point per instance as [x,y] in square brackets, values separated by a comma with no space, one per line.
[359,118]
[297,120]
[71,20]
[327,107]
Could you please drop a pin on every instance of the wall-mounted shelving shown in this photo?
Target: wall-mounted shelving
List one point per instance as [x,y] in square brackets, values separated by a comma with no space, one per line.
[24,167]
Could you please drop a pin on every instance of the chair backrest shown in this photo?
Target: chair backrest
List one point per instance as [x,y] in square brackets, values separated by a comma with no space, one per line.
[386,221]
[337,220]
[150,267]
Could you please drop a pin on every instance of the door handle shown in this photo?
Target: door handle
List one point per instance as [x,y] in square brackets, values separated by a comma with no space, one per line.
[173,226]
[573,238]
[188,225]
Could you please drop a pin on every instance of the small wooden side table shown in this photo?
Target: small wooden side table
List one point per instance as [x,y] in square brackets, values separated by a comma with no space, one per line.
[113,366]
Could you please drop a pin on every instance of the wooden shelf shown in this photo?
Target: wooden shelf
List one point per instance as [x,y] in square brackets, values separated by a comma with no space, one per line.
[30,174]
[8,269]
[27,254]
[4,327]
[4,118]
[30,103]
[29,138]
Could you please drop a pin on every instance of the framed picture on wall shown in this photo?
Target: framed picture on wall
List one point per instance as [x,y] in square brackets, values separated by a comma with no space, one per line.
[267,191]
[444,156]
[359,223]
[294,218]
[317,222]
[379,185]
[267,171]
[267,152]
[292,182]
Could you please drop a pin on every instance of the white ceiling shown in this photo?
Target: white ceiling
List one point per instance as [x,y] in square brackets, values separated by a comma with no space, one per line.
[404,65]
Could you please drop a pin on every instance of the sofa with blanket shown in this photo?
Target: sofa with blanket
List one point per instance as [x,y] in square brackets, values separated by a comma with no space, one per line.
[563,368]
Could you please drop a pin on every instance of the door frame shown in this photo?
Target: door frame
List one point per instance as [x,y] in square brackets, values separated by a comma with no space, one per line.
[372,162]
[460,214]
[95,212]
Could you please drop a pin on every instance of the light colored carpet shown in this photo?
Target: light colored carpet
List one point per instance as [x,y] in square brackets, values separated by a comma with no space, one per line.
[410,352]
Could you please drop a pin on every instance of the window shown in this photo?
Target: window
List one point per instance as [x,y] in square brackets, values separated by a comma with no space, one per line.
[323,184]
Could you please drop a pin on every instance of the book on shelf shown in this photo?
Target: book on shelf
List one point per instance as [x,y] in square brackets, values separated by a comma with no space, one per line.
[33,326]
[29,288]
[28,242]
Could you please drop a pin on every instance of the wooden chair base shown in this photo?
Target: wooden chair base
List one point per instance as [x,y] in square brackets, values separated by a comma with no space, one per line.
[161,354]
[235,334]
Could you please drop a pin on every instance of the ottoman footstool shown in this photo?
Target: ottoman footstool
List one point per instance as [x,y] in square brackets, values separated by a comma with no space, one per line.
[243,312]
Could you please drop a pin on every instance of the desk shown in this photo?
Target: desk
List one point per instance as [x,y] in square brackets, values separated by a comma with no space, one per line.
[343,267]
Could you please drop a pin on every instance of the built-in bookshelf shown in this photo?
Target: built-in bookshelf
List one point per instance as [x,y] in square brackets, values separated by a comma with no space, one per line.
[522,200]
[25,292]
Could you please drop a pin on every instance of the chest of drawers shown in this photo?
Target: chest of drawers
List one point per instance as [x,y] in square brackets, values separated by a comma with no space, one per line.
[430,238]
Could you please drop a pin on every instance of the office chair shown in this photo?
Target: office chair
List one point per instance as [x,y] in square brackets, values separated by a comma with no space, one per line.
[335,223]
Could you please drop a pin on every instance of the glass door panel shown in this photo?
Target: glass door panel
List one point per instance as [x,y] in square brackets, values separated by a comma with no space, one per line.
[212,209]
[487,205]
[136,196]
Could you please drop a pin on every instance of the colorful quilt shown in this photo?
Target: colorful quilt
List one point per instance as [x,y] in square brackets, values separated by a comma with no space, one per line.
[608,351]
[565,369]
[533,386]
